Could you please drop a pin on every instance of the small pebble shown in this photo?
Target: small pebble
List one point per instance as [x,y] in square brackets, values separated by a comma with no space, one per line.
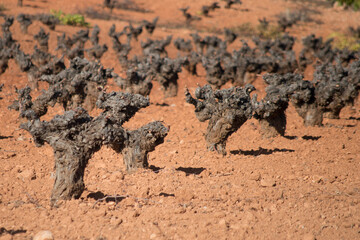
[267,182]
[43,235]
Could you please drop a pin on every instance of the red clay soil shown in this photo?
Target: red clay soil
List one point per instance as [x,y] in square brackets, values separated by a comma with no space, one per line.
[302,186]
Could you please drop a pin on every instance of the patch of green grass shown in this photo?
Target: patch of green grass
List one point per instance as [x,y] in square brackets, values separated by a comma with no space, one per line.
[248,30]
[355,4]
[342,41]
[244,30]
[269,32]
[2,7]
[70,19]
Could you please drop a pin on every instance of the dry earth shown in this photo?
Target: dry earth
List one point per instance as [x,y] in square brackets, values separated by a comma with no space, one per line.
[303,186]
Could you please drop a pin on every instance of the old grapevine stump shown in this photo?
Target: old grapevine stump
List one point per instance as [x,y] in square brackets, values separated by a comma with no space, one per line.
[270,111]
[76,136]
[227,110]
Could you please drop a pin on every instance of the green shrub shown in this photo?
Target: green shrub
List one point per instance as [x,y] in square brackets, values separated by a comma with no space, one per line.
[70,19]
[342,41]
[244,29]
[355,4]
[2,7]
[269,32]
[248,30]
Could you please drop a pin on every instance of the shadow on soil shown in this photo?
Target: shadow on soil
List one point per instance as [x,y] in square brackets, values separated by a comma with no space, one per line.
[353,118]
[32,6]
[5,137]
[305,137]
[291,137]
[162,104]
[167,194]
[190,170]
[155,169]
[260,151]
[314,138]
[11,232]
[107,198]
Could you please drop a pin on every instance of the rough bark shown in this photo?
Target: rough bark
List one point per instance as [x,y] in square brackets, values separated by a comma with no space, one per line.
[140,142]
[25,21]
[311,114]
[76,136]
[301,94]
[227,110]
[137,81]
[273,126]
[270,111]
[165,71]
[43,39]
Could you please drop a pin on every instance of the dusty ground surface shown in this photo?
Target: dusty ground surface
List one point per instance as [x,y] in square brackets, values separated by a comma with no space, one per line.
[303,186]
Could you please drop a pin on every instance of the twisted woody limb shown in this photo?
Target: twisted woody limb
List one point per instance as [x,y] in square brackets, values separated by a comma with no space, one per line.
[270,111]
[166,72]
[227,110]
[136,81]
[336,86]
[75,136]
